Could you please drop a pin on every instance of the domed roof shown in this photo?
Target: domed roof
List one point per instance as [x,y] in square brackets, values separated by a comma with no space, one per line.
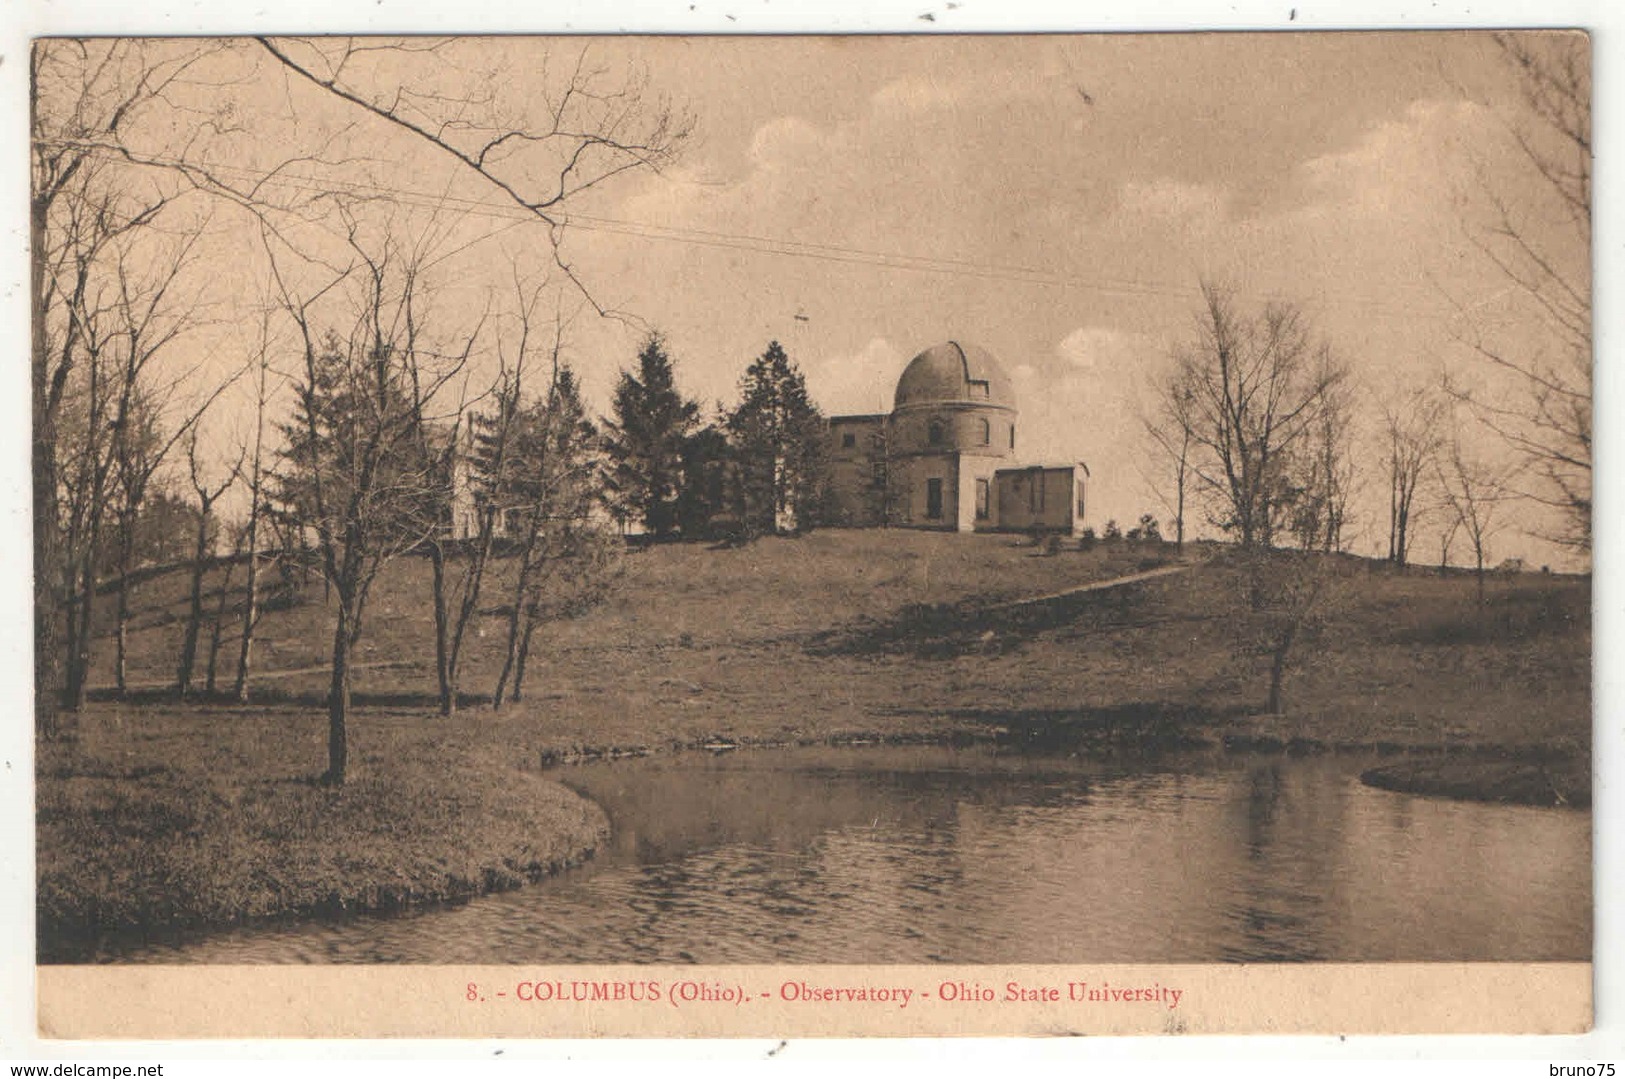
[952,372]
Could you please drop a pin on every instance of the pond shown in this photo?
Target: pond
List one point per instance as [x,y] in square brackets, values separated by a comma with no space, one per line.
[978,855]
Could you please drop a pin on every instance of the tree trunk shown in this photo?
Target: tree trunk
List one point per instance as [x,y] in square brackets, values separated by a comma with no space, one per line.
[251,604]
[1179,516]
[466,610]
[79,671]
[48,606]
[511,658]
[1277,673]
[1278,659]
[442,650]
[338,700]
[222,594]
[194,611]
[121,658]
[524,656]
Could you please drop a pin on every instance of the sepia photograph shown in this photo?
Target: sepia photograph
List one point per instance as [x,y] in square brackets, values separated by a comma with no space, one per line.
[1114,504]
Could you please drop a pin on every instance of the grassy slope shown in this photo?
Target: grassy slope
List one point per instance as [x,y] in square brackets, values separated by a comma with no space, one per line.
[206,812]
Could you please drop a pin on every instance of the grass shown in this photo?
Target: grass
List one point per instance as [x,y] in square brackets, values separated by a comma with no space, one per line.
[152,818]
[158,814]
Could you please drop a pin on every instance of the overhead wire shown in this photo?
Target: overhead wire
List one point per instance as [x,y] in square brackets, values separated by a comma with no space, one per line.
[516,215]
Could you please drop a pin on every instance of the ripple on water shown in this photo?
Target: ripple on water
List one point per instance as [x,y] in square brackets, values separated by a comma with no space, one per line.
[924,854]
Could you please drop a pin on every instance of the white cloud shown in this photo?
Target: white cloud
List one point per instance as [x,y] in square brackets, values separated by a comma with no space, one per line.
[1165,197]
[1403,167]
[857,382]
[914,94]
[1102,349]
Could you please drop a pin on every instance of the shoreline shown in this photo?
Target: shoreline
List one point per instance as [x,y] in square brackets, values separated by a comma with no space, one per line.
[395,883]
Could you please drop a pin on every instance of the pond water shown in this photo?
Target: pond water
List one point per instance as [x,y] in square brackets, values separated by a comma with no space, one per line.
[922,854]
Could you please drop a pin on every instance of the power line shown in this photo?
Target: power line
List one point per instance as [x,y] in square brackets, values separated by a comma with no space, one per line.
[756,244]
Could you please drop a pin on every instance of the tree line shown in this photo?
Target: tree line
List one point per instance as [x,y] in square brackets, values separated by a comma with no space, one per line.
[127,192]
[757,468]
[1254,422]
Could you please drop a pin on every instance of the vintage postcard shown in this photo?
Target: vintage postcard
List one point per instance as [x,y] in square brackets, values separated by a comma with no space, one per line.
[754,536]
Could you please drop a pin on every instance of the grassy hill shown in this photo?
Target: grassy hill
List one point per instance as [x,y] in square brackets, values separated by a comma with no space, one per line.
[154,812]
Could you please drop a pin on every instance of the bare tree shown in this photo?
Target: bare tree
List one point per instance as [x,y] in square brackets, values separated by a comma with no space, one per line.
[589,125]
[567,560]
[353,473]
[208,493]
[115,421]
[1288,595]
[1252,390]
[1169,426]
[1321,476]
[1411,431]
[256,511]
[85,206]
[1541,404]
[222,597]
[488,481]
[1473,491]
[121,133]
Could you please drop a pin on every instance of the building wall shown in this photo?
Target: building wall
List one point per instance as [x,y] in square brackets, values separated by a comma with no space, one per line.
[910,490]
[975,469]
[1041,497]
[960,425]
[858,470]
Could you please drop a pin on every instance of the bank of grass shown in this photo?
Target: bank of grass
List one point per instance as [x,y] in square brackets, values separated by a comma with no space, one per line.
[155,818]
[208,813]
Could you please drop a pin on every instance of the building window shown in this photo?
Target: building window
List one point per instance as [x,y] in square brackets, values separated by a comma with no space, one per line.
[848,440]
[987,432]
[978,388]
[981,500]
[1012,436]
[933,433]
[933,500]
[1080,500]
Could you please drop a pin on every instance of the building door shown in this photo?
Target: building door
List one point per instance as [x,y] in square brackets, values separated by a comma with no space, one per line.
[933,500]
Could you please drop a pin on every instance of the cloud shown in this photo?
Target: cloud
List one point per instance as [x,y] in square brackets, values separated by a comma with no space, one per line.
[1163,197]
[915,94]
[856,382]
[1103,349]
[1402,167]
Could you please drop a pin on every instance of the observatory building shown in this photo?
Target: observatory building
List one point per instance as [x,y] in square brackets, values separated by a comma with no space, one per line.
[945,456]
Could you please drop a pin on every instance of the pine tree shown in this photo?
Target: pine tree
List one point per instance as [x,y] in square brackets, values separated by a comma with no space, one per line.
[705,473]
[645,441]
[779,441]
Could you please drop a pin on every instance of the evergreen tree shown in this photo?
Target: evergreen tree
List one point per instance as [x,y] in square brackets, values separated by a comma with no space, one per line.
[705,478]
[779,441]
[644,441]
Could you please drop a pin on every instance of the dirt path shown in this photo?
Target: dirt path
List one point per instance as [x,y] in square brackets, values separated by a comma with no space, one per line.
[259,676]
[1096,586]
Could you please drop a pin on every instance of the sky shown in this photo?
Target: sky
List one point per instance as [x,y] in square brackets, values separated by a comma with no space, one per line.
[1057,199]
[1071,193]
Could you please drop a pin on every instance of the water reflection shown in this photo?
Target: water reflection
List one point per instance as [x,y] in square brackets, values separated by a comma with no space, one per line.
[935,854]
